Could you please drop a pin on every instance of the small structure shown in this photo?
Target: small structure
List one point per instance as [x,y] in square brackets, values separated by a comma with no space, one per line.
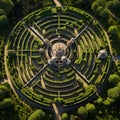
[47,43]
[58,52]
[65,60]
[102,54]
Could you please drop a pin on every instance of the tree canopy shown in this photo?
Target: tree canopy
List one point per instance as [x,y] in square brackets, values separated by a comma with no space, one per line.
[3,20]
[114,93]
[82,111]
[37,115]
[114,79]
[64,116]
[90,108]
[7,5]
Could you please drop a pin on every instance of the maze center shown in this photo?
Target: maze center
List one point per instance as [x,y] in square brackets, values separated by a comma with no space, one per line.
[53,57]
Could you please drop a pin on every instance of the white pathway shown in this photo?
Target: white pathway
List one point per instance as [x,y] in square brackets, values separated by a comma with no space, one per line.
[58,4]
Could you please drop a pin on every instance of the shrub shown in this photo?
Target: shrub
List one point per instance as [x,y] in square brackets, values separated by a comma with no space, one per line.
[107,103]
[99,100]
[64,116]
[114,93]
[7,102]
[90,108]
[3,20]
[37,115]
[3,91]
[113,30]
[113,5]
[113,79]
[7,5]
[96,4]
[82,111]
[2,12]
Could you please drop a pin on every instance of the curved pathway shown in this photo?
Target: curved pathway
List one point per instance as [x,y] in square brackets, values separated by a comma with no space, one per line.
[6,69]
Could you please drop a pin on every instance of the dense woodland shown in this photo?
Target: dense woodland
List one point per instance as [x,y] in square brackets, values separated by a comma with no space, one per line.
[107,105]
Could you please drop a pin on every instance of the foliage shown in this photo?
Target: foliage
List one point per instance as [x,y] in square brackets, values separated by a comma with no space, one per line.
[114,93]
[96,4]
[7,102]
[99,100]
[90,107]
[114,79]
[3,20]
[113,5]
[113,30]
[7,5]
[3,91]
[37,115]
[82,111]
[2,12]
[64,116]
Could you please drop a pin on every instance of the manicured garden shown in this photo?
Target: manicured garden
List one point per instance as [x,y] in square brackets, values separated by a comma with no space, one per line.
[88,85]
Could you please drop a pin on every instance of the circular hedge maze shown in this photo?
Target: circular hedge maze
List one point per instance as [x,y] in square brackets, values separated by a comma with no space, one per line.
[57,55]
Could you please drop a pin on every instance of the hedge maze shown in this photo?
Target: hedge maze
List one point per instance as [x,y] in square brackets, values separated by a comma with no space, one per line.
[73,79]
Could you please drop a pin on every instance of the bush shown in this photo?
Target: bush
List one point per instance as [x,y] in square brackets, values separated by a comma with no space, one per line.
[113,5]
[113,79]
[96,4]
[107,103]
[82,111]
[3,20]
[99,100]
[90,108]
[114,93]
[7,102]
[2,12]
[113,30]
[3,91]
[37,115]
[7,5]
[64,116]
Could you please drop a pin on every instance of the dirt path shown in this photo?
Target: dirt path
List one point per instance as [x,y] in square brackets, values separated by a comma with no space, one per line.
[58,4]
[56,111]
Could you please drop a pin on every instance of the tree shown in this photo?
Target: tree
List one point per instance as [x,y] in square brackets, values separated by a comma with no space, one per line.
[2,12]
[64,116]
[113,5]
[72,117]
[118,85]
[90,108]
[96,4]
[7,102]
[104,13]
[3,91]
[7,5]
[113,30]
[99,100]
[3,20]
[82,111]
[114,93]
[113,79]
[107,103]
[37,115]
